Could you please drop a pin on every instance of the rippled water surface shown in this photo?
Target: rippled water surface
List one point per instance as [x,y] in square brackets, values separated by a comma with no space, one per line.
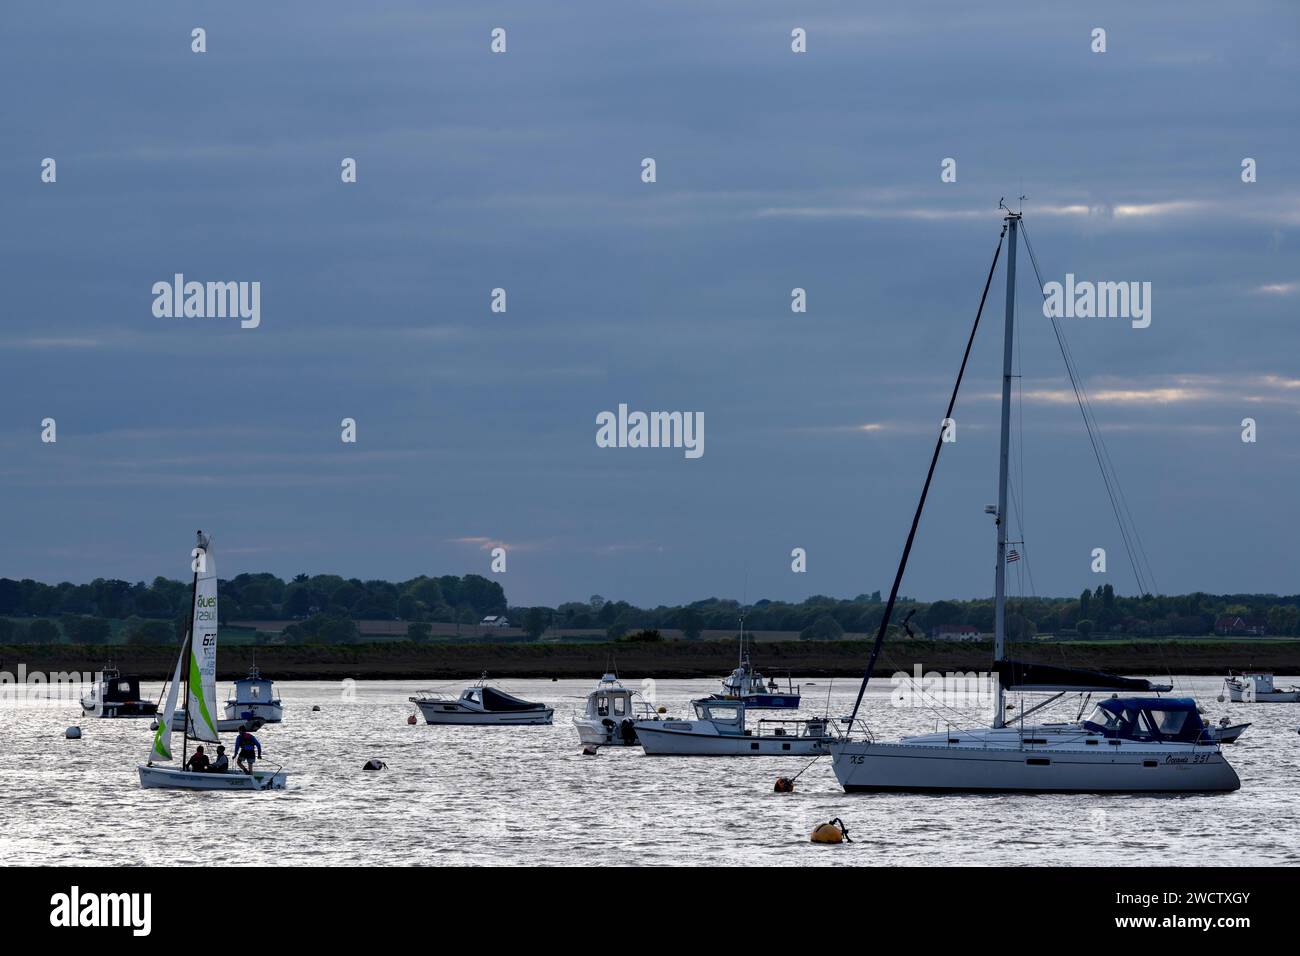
[500,795]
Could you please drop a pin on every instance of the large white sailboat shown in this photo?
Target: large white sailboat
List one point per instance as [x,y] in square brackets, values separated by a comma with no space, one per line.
[196,667]
[1142,743]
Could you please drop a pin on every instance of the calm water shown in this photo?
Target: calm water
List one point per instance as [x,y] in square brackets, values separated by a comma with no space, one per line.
[492,795]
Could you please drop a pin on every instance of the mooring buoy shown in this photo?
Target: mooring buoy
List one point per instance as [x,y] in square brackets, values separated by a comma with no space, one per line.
[410,719]
[375,764]
[784,785]
[833,831]
[73,733]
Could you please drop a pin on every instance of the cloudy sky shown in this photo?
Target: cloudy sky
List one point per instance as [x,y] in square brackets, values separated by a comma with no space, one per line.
[522,170]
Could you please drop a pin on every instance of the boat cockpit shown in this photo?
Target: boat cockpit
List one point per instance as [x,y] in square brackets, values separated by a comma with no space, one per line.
[1153,719]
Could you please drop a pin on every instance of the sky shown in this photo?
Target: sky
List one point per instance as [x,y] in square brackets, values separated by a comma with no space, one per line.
[522,170]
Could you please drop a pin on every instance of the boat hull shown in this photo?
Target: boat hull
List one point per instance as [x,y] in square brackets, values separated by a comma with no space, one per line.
[266,713]
[765,701]
[224,725]
[1238,696]
[865,766]
[593,734]
[685,741]
[442,713]
[173,778]
[134,709]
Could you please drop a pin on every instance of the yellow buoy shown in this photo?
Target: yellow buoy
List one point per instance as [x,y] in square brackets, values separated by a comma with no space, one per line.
[833,832]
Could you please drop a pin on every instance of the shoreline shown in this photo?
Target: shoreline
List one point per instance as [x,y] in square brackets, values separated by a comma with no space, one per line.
[667,660]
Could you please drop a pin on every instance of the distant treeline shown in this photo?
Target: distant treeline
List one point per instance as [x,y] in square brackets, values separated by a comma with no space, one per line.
[326,608]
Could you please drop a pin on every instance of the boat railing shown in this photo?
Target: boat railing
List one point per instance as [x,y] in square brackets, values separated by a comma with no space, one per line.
[431,695]
[849,728]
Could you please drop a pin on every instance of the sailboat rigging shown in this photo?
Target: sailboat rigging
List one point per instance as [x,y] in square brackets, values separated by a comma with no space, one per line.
[198,661]
[1128,744]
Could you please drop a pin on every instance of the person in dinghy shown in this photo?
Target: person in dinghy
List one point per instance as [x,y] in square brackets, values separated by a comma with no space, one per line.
[247,749]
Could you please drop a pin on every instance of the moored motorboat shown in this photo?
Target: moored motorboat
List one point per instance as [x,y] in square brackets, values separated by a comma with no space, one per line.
[481,704]
[116,695]
[254,698]
[748,685]
[609,714]
[718,730]
[1227,733]
[1257,687]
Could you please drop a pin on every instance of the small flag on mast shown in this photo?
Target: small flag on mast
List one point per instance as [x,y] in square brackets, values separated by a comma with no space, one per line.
[1013,555]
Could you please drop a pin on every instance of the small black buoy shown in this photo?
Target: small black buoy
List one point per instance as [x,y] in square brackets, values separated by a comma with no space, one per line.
[375,764]
[589,751]
[784,785]
[315,708]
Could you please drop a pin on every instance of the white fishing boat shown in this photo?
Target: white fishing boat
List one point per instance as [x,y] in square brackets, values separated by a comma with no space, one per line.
[609,714]
[116,695]
[198,663]
[481,704]
[1227,733]
[1144,744]
[254,699]
[1256,687]
[718,730]
[748,685]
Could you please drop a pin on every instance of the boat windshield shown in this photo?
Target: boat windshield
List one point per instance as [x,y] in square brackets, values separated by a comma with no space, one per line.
[1174,719]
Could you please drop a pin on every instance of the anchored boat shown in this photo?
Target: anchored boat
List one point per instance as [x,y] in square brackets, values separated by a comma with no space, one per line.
[747,685]
[1140,743]
[117,695]
[609,716]
[1256,687]
[196,667]
[480,704]
[718,730]
[254,699]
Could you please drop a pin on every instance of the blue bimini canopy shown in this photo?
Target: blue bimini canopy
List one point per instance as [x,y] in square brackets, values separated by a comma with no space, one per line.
[1148,718]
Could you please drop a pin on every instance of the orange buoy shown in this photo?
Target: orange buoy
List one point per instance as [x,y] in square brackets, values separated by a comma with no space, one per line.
[833,832]
[784,785]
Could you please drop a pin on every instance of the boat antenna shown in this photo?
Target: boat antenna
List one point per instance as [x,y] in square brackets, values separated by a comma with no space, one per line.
[925,489]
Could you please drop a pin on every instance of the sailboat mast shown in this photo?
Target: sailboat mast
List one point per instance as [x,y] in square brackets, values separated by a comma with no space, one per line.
[186,651]
[1000,576]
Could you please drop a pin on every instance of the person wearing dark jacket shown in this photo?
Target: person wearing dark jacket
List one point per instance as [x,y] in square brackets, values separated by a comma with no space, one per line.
[221,764]
[198,761]
[247,749]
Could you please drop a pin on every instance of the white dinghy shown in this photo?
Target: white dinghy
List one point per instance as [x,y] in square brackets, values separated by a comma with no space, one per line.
[198,659]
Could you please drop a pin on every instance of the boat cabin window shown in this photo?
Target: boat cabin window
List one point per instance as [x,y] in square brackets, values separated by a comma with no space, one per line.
[1147,719]
[620,706]
[123,687]
[602,706]
[717,711]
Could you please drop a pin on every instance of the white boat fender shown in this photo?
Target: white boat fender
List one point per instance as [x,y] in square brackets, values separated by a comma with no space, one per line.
[375,764]
[73,733]
[832,832]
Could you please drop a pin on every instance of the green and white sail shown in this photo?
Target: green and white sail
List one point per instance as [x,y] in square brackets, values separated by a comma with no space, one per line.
[162,738]
[201,709]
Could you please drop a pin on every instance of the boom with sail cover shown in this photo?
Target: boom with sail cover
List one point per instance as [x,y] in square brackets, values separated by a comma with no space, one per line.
[1047,678]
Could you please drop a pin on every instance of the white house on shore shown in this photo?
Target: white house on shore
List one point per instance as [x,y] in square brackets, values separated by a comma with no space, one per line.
[494,620]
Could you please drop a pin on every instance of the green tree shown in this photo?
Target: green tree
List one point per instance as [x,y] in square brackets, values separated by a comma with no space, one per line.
[42,631]
[536,620]
[1084,628]
[418,631]
[825,628]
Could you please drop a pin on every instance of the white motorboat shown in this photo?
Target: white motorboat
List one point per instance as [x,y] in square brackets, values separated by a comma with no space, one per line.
[1256,687]
[608,717]
[116,695]
[1144,744]
[481,704]
[198,663]
[1228,733]
[719,730]
[254,698]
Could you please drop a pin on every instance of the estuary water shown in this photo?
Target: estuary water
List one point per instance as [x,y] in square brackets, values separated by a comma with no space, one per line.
[511,796]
